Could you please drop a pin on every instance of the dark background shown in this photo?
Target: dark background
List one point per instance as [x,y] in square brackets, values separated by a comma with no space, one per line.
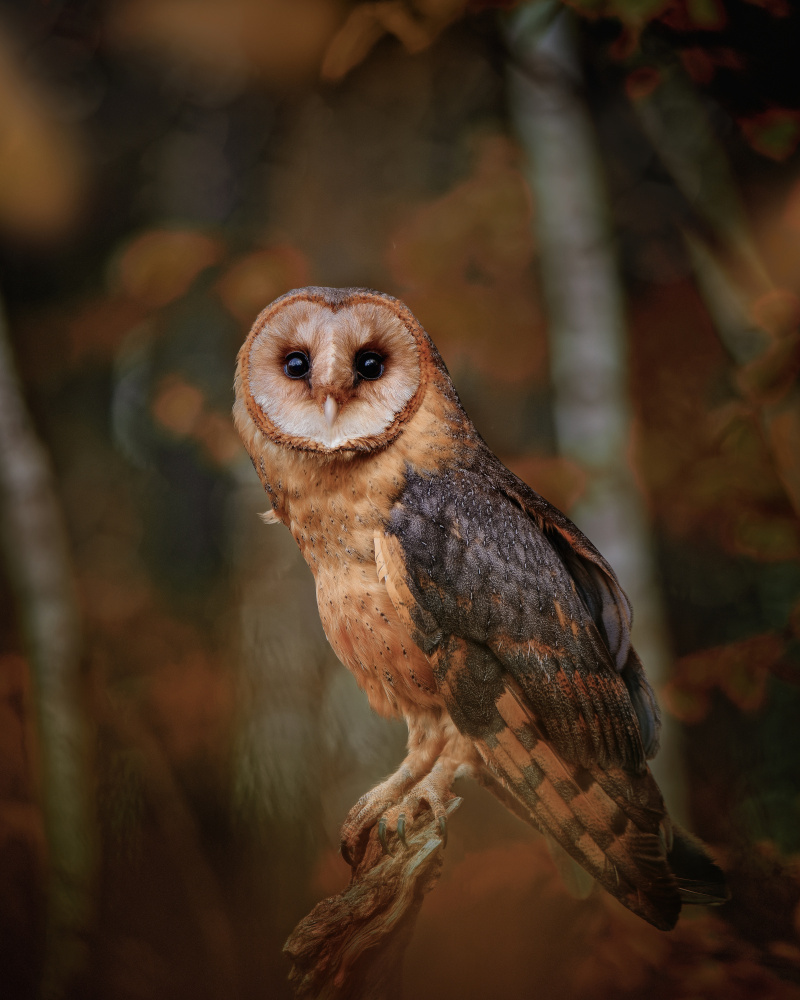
[167,168]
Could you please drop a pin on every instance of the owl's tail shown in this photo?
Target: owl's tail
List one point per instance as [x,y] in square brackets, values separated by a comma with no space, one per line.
[612,823]
[700,880]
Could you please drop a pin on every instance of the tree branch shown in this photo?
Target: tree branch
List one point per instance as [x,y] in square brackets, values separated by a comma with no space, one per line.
[351,946]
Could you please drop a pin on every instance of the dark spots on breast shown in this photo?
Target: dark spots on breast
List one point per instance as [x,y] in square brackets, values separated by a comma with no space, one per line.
[583,779]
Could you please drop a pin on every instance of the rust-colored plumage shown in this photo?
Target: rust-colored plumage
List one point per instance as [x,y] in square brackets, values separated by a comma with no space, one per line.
[458,597]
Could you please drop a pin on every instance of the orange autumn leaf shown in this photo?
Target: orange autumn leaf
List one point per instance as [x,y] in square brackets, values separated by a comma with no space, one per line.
[778,8]
[640,83]
[776,311]
[687,704]
[159,265]
[695,15]
[181,409]
[701,64]
[774,133]
[42,171]
[740,670]
[464,262]
[100,326]
[415,25]
[252,281]
[228,40]
[216,433]
[177,405]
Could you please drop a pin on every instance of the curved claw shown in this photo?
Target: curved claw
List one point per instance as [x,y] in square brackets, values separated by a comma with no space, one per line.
[443,830]
[348,857]
[401,829]
[382,835]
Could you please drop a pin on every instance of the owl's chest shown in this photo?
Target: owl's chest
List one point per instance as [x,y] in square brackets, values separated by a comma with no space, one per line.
[362,626]
[335,530]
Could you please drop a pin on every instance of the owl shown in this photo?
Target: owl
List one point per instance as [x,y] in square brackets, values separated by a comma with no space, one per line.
[459,598]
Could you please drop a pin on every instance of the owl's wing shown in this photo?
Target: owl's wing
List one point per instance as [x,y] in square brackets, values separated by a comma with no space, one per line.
[599,589]
[483,564]
[527,673]
[612,822]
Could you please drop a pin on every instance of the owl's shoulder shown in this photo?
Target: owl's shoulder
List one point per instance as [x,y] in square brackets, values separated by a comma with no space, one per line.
[469,499]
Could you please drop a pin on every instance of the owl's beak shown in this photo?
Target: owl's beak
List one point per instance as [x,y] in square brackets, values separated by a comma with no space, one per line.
[331,410]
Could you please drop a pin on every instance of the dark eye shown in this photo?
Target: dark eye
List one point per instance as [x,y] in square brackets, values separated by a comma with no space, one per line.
[296,364]
[369,365]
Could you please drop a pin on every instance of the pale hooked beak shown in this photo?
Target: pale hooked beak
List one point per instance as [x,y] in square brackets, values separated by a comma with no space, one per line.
[331,410]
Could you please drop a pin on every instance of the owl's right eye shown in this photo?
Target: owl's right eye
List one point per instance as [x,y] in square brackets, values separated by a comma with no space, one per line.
[296,365]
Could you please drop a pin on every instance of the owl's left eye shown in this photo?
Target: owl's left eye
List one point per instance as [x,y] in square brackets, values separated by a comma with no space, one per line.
[369,365]
[296,365]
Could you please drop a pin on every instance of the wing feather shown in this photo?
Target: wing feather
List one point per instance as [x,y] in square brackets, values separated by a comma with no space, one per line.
[557,732]
[624,849]
[598,588]
[479,564]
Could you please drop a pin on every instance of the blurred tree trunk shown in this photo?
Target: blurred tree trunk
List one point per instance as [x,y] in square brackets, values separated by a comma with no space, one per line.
[588,345]
[36,551]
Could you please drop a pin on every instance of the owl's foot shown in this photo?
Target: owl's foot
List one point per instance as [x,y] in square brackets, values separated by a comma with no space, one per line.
[433,793]
[394,805]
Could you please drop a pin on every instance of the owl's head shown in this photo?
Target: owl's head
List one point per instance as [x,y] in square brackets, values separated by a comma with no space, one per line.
[333,370]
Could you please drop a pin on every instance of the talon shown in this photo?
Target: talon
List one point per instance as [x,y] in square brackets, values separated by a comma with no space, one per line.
[401,829]
[443,830]
[348,857]
[382,835]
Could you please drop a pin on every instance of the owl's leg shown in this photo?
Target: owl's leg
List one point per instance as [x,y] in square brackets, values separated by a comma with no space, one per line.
[426,742]
[432,791]
[437,753]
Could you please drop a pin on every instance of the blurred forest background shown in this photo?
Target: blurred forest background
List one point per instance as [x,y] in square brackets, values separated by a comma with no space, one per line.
[594,210]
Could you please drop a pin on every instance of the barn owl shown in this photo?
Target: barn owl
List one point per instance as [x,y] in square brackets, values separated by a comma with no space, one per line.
[459,598]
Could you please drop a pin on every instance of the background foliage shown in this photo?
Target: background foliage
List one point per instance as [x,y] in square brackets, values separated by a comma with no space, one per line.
[169,167]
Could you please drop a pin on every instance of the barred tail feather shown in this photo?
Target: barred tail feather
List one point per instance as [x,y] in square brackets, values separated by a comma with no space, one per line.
[621,841]
[610,819]
[700,880]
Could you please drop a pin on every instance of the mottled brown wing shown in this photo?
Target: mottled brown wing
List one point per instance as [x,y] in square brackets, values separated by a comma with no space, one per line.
[598,587]
[479,567]
[610,821]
